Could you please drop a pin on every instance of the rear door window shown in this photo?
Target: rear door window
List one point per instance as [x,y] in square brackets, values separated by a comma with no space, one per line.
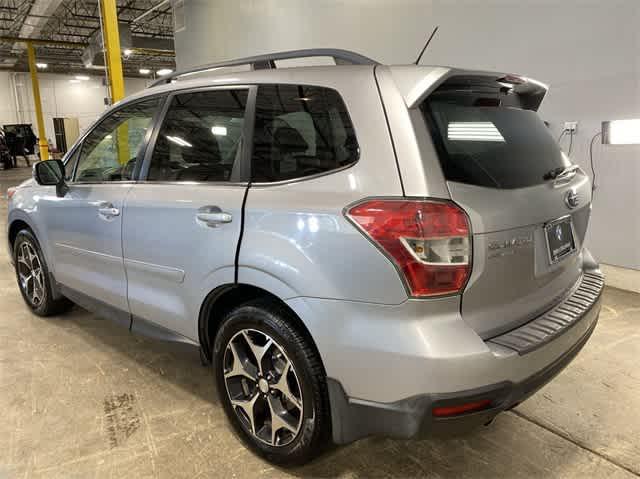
[200,138]
[483,138]
[300,131]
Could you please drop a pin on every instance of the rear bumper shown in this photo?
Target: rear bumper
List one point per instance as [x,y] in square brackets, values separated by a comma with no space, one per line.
[412,417]
[389,366]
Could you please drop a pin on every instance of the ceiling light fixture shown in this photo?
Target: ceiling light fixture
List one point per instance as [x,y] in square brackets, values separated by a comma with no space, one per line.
[128,52]
[73,80]
[82,77]
[164,71]
[144,71]
[42,65]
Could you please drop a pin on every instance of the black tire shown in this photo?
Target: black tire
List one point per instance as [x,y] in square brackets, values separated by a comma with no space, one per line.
[274,320]
[46,305]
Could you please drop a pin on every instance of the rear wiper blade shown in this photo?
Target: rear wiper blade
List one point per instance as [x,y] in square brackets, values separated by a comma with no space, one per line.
[562,172]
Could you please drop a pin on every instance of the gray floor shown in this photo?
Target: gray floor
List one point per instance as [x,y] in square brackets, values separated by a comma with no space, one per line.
[81,398]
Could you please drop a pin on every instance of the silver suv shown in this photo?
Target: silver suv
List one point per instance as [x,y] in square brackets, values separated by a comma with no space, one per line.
[357,249]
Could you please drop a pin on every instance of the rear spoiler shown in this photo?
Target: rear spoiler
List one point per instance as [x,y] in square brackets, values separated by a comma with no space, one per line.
[415,83]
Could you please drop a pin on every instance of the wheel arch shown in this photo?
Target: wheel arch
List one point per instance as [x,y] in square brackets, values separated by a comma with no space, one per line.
[15,227]
[226,297]
[19,220]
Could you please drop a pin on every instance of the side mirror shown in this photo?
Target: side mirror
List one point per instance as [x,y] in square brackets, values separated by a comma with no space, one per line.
[50,173]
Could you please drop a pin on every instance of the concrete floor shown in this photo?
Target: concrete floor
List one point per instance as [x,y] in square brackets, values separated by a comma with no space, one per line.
[82,398]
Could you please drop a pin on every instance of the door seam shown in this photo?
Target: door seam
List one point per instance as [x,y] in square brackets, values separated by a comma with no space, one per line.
[237,258]
[124,266]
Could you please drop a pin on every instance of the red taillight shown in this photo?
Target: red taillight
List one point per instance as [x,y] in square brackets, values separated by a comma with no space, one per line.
[428,240]
[10,192]
[448,411]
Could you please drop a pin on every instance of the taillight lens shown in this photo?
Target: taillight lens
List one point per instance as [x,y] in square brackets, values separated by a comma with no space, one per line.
[429,241]
[10,192]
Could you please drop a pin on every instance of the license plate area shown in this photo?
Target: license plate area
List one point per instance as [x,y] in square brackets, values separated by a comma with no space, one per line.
[560,240]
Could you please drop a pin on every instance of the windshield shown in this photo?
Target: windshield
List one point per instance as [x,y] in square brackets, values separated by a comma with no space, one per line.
[483,143]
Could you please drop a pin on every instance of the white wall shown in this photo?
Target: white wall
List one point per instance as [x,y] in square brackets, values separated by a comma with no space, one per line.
[60,98]
[587,50]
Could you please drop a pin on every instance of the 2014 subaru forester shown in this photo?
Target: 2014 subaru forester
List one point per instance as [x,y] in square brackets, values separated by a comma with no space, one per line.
[357,249]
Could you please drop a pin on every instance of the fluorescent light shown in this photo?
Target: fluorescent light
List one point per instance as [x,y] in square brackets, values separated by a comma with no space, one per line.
[144,71]
[108,137]
[219,130]
[473,131]
[82,77]
[164,71]
[73,80]
[128,52]
[621,132]
[179,141]
[42,65]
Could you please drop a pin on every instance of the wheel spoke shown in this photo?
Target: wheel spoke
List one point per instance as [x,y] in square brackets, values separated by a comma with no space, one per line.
[258,351]
[38,289]
[26,255]
[247,405]
[22,261]
[24,279]
[279,419]
[283,386]
[240,364]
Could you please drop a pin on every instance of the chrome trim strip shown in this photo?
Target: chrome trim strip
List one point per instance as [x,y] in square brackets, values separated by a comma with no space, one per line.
[85,252]
[167,272]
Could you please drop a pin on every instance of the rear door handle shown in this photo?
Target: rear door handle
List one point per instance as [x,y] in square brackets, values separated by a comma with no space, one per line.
[213,216]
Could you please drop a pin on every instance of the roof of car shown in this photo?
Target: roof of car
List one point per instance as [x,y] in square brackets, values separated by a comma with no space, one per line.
[414,82]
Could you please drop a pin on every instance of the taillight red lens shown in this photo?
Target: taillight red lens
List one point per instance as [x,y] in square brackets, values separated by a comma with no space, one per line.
[429,241]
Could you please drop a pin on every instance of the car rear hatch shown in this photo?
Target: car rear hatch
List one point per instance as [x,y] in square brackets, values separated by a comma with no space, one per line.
[528,206]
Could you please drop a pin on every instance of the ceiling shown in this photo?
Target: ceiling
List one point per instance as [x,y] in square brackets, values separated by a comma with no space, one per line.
[76,25]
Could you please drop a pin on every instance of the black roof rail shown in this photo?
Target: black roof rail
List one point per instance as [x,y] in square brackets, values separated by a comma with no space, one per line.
[260,62]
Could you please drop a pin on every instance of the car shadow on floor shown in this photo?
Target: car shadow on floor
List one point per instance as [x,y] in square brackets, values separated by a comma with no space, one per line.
[174,362]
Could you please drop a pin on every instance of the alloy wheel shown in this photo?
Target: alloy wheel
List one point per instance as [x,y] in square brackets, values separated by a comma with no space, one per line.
[30,274]
[263,387]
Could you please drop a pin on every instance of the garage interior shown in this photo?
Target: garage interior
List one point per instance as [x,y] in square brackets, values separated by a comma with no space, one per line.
[84,398]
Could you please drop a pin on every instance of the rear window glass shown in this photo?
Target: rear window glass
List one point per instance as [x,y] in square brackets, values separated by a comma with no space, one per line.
[482,141]
[300,131]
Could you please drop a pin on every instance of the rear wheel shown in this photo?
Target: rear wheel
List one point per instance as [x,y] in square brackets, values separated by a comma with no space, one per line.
[33,277]
[271,383]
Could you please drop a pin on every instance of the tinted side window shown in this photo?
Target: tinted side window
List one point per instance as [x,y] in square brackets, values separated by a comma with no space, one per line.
[200,137]
[300,131]
[110,151]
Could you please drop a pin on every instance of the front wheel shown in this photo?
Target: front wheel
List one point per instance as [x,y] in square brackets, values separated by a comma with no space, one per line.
[33,277]
[271,383]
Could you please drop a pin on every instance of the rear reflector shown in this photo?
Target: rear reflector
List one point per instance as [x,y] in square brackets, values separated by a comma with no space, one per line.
[429,241]
[448,411]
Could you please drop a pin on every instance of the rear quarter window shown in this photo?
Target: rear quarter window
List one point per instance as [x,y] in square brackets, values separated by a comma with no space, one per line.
[300,131]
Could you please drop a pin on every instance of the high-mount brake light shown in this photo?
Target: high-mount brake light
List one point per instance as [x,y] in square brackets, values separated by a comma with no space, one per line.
[429,241]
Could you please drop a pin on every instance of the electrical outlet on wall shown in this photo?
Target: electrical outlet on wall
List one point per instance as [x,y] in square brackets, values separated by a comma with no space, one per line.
[571,126]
